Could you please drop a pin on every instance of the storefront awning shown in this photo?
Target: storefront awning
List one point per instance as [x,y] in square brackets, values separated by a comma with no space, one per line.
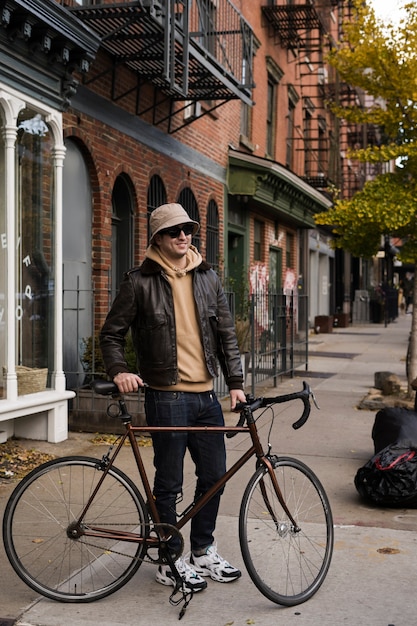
[275,188]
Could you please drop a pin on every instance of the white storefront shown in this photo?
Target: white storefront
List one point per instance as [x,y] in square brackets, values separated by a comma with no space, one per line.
[36,83]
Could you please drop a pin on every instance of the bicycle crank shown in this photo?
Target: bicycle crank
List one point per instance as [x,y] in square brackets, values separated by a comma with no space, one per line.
[164,533]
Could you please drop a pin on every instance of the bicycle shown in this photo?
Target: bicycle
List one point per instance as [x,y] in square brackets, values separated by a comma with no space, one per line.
[76,529]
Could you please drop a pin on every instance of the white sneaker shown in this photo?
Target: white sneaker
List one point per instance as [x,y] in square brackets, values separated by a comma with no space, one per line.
[193,582]
[213,565]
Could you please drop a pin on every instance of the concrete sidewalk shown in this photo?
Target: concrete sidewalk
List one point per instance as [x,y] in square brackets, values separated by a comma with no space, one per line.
[371,579]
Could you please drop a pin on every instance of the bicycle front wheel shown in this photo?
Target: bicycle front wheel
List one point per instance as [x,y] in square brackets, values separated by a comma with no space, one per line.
[286,563]
[38,531]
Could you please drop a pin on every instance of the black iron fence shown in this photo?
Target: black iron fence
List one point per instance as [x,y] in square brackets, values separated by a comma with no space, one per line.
[273,339]
[278,337]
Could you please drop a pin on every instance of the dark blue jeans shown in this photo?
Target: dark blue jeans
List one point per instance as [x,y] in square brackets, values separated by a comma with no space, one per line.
[171,408]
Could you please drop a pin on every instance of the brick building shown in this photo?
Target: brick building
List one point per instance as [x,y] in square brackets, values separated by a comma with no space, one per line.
[110,108]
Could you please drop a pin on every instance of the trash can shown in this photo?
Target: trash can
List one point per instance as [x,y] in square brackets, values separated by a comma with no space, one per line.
[323,323]
[341,320]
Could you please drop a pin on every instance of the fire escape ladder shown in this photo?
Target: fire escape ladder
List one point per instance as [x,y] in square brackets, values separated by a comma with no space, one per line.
[176,60]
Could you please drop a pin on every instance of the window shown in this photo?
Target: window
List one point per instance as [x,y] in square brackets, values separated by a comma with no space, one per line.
[207,18]
[290,135]
[212,237]
[77,244]
[35,242]
[122,231]
[322,148]
[274,76]
[245,120]
[245,109]
[257,240]
[188,201]
[293,99]
[308,138]
[237,213]
[156,195]
[270,117]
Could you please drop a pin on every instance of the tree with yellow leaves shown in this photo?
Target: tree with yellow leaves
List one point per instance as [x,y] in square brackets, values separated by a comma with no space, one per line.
[380,58]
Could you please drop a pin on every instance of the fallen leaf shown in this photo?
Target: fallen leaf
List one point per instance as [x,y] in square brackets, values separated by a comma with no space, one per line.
[388,551]
[16,461]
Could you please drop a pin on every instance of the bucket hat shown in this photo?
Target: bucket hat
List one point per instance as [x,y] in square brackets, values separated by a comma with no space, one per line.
[167,216]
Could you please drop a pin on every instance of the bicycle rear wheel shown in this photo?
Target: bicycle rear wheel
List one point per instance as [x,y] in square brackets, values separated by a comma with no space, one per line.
[287,564]
[37,537]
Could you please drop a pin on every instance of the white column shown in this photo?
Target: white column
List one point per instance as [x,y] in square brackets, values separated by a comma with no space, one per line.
[58,374]
[9,134]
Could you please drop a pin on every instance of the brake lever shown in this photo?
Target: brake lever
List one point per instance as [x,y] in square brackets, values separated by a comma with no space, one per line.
[313,397]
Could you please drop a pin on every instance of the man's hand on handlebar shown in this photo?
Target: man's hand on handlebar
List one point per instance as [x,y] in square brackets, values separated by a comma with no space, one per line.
[236,395]
[128,382]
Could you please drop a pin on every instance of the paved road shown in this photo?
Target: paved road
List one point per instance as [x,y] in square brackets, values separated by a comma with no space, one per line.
[372,577]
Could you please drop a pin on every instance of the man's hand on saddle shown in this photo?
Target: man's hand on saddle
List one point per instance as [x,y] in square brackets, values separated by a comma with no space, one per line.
[128,382]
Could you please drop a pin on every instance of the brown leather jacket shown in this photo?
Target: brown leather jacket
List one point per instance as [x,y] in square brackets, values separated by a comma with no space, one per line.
[145,304]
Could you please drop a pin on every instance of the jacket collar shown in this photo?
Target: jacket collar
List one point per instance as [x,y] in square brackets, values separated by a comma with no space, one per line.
[149,267]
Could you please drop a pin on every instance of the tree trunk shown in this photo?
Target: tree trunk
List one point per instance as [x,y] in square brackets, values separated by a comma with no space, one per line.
[412,365]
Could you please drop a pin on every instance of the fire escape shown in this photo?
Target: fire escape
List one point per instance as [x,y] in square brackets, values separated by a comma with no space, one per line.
[188,51]
[306,30]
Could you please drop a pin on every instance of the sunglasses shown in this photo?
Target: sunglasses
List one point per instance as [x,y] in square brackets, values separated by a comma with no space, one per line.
[175,231]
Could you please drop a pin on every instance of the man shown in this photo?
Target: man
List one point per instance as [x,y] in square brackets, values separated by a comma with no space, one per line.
[181,328]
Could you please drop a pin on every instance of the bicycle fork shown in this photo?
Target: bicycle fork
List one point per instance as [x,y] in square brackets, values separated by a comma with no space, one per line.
[267,461]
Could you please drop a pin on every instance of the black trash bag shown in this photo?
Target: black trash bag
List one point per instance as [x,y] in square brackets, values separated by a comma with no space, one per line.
[390,477]
[394,424]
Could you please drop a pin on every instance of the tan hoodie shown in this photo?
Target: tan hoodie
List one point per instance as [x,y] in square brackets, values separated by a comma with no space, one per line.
[193,375]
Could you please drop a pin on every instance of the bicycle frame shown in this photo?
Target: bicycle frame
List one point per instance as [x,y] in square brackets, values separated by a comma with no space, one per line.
[194,507]
[287,560]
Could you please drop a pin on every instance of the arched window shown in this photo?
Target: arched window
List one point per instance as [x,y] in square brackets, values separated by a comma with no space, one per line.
[212,236]
[188,201]
[122,230]
[156,195]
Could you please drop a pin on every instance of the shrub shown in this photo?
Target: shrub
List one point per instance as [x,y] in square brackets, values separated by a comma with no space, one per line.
[92,360]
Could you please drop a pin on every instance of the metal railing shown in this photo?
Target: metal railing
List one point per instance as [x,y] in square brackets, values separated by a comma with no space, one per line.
[222,31]
[279,336]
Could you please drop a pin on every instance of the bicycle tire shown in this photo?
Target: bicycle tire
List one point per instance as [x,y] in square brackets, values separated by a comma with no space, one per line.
[287,565]
[38,515]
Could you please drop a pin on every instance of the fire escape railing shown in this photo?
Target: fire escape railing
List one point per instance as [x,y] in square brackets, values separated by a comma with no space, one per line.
[220,29]
[190,50]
